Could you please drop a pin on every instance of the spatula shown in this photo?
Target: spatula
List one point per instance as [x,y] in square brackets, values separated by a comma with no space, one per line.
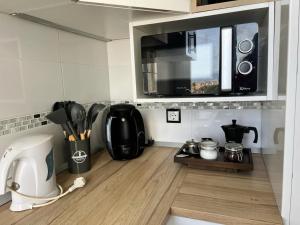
[78,115]
[93,112]
[60,117]
[56,106]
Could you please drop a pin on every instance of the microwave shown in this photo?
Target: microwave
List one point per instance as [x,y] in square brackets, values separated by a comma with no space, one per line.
[203,62]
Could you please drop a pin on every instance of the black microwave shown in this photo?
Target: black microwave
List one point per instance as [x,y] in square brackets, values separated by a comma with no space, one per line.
[204,62]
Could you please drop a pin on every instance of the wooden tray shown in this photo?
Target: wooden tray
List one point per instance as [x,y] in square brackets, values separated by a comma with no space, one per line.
[195,161]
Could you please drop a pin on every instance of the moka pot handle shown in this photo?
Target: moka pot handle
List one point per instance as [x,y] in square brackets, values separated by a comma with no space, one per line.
[255,133]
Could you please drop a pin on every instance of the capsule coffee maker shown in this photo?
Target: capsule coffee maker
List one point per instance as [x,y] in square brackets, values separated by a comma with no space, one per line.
[123,131]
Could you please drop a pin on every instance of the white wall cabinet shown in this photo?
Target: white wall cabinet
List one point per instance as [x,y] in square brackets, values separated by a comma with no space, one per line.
[165,5]
[262,13]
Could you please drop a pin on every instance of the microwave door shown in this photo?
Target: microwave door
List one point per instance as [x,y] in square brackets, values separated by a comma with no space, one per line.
[226,59]
[173,78]
[205,66]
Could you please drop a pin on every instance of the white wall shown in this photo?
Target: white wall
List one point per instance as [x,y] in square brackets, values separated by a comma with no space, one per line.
[120,75]
[197,124]
[40,65]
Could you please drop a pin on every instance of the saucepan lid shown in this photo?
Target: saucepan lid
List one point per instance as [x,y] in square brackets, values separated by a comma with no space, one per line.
[191,143]
[208,144]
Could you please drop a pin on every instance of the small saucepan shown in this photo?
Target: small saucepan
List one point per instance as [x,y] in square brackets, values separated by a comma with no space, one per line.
[191,147]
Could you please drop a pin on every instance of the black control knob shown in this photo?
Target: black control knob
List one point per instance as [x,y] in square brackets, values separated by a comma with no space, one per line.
[245,67]
[245,46]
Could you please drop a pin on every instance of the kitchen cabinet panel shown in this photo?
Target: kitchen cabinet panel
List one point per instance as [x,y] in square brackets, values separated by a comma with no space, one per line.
[198,6]
[166,5]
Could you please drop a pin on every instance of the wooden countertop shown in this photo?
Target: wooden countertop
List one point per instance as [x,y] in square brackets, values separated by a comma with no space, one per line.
[145,190]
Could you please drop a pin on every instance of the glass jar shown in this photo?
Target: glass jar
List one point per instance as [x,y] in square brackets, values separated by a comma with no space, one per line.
[233,152]
[209,149]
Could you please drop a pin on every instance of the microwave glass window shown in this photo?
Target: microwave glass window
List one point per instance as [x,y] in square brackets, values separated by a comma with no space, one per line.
[205,66]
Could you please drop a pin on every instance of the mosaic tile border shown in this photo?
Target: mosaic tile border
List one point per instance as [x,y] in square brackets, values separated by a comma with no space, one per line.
[24,123]
[196,106]
[27,122]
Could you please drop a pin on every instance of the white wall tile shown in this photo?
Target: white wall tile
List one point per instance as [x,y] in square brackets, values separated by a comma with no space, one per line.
[161,131]
[29,86]
[121,87]
[207,123]
[120,73]
[81,50]
[197,124]
[26,40]
[85,83]
[12,83]
[119,52]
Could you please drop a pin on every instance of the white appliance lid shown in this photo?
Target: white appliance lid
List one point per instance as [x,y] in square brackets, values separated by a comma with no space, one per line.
[30,141]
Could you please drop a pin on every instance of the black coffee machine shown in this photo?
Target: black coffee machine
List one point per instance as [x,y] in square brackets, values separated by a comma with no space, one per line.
[123,131]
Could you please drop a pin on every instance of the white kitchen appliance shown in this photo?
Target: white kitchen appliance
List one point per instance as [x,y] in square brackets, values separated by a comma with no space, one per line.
[30,164]
[27,170]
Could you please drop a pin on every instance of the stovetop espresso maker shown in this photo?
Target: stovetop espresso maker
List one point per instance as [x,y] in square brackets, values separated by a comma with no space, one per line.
[235,132]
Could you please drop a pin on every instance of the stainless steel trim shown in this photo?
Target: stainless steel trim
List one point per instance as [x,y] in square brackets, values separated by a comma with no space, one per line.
[226,59]
[249,71]
[59,27]
[251,46]
[151,83]
[149,68]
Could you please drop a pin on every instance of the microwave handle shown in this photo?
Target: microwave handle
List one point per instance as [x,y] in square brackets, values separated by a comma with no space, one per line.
[190,47]
[226,59]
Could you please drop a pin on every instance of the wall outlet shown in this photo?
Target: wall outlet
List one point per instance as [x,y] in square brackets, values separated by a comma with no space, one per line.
[173,116]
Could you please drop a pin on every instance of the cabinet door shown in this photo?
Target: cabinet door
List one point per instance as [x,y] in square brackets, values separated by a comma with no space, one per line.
[295,192]
[164,5]
[206,5]
[291,175]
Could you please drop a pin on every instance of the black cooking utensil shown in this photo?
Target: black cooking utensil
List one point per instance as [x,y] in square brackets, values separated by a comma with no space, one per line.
[60,117]
[78,115]
[93,112]
[56,106]
[68,105]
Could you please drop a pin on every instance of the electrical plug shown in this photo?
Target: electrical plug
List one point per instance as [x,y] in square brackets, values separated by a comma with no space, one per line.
[79,182]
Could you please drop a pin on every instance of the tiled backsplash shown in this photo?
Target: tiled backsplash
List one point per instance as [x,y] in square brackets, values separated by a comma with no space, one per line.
[14,125]
[26,122]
